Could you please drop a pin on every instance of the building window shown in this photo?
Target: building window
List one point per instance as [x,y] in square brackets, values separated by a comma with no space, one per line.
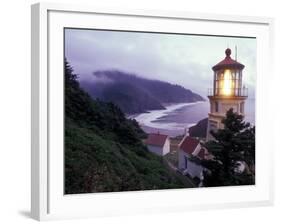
[213,126]
[185,162]
[216,106]
[242,107]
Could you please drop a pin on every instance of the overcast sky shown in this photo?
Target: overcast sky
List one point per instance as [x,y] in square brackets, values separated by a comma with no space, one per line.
[186,60]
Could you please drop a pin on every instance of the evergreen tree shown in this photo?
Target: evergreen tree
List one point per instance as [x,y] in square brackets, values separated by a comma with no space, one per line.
[232,148]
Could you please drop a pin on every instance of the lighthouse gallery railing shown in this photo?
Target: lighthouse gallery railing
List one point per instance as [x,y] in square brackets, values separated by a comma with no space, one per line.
[242,92]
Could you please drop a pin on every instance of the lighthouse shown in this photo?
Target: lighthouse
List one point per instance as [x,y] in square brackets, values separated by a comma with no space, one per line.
[228,92]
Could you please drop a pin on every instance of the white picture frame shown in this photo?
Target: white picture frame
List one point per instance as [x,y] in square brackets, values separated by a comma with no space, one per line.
[48,201]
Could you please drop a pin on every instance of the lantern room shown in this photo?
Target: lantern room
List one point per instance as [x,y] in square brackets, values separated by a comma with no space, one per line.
[228,78]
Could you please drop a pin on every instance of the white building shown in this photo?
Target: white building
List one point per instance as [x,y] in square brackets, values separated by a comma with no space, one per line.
[158,143]
[190,147]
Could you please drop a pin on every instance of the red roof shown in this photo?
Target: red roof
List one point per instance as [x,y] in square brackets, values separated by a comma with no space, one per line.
[156,139]
[228,62]
[189,144]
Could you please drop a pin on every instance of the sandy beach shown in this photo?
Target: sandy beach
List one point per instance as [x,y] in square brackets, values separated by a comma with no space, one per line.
[153,121]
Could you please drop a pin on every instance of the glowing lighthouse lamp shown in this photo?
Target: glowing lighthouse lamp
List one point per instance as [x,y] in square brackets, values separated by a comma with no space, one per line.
[227,91]
[226,83]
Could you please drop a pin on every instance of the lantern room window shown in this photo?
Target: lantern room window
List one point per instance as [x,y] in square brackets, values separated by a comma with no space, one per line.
[228,78]
[227,83]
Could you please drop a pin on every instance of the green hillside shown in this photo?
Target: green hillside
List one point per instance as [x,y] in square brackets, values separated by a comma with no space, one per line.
[103,149]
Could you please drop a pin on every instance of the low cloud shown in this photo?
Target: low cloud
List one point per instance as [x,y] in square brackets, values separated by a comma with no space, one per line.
[179,59]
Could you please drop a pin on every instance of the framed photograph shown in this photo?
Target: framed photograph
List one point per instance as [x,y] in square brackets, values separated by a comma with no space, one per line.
[148,111]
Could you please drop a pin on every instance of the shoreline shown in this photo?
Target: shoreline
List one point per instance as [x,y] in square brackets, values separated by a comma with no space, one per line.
[167,106]
[176,119]
[148,124]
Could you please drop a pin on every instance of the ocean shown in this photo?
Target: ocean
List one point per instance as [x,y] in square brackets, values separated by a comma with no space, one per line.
[177,118]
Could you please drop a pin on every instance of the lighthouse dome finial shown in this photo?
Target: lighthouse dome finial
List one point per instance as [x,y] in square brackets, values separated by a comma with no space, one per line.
[228,52]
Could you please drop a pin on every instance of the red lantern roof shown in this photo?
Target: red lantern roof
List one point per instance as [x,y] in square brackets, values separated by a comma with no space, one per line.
[228,62]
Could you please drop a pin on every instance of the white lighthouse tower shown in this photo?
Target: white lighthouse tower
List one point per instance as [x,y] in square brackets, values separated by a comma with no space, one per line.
[227,92]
